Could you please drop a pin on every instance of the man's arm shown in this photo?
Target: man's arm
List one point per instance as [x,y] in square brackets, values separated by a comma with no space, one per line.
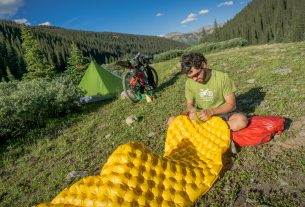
[191,108]
[228,106]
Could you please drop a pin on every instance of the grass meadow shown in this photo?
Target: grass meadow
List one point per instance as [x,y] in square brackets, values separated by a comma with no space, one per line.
[270,80]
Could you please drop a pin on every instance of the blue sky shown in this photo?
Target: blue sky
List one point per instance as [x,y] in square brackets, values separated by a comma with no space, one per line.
[146,17]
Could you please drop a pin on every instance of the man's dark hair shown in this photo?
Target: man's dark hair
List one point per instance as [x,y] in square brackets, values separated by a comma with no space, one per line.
[191,60]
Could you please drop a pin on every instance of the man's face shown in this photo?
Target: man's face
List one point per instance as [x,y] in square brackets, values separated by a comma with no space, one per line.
[197,74]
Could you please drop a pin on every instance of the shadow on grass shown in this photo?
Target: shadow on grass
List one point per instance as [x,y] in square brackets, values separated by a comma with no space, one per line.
[51,127]
[287,124]
[248,101]
[168,82]
[227,162]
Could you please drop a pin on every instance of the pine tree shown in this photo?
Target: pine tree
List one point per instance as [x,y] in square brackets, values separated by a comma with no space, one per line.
[2,45]
[2,56]
[216,32]
[298,23]
[11,58]
[9,74]
[111,59]
[204,36]
[36,66]
[77,64]
[76,61]
[264,21]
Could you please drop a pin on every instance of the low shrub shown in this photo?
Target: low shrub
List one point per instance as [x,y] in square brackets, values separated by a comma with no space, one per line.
[211,46]
[167,55]
[201,48]
[27,104]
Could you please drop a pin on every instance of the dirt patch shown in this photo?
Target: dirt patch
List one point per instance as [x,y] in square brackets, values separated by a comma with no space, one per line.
[296,137]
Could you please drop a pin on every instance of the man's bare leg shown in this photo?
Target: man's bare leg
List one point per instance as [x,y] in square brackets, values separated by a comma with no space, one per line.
[170,120]
[237,121]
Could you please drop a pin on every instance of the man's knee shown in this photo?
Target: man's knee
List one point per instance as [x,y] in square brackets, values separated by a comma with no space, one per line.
[238,121]
[170,120]
[243,121]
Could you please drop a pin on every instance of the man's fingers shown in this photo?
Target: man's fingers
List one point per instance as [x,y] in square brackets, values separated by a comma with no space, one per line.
[192,116]
[203,117]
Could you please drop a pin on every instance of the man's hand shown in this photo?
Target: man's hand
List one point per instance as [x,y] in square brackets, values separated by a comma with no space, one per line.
[205,114]
[192,115]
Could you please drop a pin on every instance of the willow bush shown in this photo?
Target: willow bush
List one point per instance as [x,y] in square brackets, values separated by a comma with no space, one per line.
[28,104]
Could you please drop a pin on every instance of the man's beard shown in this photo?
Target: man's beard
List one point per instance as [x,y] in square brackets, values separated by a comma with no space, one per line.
[201,76]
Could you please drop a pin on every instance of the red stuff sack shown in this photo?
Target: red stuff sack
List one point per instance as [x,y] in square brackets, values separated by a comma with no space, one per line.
[259,130]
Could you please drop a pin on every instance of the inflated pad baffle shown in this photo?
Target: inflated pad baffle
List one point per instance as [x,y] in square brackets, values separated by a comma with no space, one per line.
[133,176]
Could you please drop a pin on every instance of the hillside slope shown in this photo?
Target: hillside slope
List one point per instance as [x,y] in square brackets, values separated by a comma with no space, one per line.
[56,43]
[264,21]
[270,81]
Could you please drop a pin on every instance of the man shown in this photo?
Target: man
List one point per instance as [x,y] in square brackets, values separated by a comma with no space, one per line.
[209,92]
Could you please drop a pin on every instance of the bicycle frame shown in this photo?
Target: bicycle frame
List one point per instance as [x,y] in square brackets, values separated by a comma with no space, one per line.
[140,80]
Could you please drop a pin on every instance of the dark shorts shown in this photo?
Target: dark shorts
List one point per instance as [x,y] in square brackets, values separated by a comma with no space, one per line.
[226,116]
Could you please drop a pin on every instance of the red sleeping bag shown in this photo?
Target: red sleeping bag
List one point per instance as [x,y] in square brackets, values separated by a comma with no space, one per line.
[259,130]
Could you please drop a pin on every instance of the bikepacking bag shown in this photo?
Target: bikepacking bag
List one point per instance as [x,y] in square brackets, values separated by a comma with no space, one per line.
[150,78]
[260,130]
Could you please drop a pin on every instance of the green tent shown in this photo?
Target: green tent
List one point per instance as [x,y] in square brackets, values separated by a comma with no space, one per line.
[99,84]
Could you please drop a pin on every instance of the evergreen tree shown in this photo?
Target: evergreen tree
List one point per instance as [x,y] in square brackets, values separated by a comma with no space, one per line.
[11,59]
[204,36]
[9,75]
[77,64]
[2,45]
[264,21]
[36,66]
[55,44]
[76,61]
[2,56]
[298,23]
[216,32]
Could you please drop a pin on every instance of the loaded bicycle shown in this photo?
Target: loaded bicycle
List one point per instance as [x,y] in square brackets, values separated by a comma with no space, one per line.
[140,80]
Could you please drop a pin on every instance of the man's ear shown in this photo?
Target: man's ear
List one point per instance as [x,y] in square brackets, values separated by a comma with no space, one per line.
[204,64]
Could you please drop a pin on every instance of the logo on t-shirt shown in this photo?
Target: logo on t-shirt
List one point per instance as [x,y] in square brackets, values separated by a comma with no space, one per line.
[206,94]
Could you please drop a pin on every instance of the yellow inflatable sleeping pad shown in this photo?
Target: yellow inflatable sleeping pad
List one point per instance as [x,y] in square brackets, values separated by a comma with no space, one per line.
[133,176]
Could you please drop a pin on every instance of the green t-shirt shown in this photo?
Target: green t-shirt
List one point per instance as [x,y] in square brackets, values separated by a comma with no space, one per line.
[211,94]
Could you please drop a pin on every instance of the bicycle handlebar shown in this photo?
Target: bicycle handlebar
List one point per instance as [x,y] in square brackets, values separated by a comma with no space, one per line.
[142,60]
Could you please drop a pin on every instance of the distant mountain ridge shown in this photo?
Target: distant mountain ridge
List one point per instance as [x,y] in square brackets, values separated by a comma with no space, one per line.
[190,37]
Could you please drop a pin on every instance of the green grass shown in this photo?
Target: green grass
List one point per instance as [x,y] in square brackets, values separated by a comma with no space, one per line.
[34,167]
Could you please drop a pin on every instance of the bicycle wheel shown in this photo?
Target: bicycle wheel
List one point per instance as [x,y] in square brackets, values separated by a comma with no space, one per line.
[152,77]
[130,91]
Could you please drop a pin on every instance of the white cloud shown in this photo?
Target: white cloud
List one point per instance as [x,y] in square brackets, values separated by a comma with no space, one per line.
[159,14]
[226,3]
[203,11]
[190,18]
[9,7]
[22,21]
[45,24]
